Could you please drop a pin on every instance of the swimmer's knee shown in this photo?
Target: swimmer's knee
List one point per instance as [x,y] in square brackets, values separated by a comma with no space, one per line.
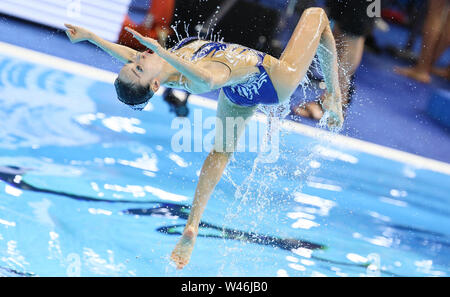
[314,10]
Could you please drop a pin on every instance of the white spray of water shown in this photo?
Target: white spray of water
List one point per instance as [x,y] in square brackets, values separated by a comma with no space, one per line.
[258,186]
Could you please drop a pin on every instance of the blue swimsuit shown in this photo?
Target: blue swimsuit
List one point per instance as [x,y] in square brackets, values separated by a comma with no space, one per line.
[258,89]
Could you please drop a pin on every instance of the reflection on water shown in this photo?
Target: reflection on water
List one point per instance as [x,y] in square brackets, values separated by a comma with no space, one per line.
[7,223]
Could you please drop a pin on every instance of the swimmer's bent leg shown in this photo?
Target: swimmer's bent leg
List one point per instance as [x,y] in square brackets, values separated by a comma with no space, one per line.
[211,172]
[312,35]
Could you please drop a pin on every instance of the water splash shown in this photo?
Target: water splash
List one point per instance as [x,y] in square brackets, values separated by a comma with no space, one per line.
[257,188]
[205,30]
[258,191]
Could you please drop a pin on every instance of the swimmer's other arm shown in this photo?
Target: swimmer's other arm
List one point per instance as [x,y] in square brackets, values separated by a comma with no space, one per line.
[120,52]
[200,79]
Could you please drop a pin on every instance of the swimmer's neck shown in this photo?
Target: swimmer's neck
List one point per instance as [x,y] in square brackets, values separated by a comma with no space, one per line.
[168,75]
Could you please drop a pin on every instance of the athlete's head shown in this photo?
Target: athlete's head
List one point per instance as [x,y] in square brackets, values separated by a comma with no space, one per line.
[138,80]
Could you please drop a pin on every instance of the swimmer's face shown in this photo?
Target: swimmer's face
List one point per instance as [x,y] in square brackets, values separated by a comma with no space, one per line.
[143,71]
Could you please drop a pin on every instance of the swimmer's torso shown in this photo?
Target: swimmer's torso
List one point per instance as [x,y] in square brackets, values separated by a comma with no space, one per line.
[249,84]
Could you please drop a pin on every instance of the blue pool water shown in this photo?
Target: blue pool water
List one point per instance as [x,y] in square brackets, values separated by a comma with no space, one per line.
[89,187]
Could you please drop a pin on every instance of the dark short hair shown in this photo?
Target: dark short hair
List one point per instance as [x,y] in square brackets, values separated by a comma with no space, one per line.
[132,94]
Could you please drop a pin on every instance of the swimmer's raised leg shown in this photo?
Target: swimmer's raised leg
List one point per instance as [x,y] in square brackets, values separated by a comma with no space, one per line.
[312,35]
[210,175]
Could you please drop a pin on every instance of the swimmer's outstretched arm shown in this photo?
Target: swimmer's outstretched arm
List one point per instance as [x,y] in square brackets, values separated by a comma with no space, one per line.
[120,52]
[200,79]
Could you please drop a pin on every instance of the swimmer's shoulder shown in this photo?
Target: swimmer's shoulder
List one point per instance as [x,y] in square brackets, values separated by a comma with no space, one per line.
[189,43]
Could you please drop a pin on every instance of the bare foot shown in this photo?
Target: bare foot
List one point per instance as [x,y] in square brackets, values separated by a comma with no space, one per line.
[414,73]
[182,251]
[443,72]
[311,110]
[302,111]
[315,110]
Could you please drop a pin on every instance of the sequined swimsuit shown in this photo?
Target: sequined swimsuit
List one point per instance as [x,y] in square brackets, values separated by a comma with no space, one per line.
[257,87]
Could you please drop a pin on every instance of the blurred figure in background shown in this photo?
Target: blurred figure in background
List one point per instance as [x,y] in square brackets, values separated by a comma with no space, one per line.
[250,23]
[156,24]
[351,27]
[436,39]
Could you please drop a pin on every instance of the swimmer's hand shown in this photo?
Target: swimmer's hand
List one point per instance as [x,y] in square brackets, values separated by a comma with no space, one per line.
[77,34]
[146,41]
[333,116]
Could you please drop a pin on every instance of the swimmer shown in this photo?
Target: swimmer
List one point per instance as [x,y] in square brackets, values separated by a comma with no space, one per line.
[246,78]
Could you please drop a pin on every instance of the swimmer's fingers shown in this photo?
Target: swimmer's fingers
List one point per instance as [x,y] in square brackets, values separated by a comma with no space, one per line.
[135,33]
[76,34]
[139,37]
[69,26]
[148,42]
[70,32]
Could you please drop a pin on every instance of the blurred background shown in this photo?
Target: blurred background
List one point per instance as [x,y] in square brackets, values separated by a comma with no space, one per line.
[394,53]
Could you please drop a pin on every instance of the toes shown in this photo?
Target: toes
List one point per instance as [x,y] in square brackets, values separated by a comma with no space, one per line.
[181,265]
[179,261]
[175,257]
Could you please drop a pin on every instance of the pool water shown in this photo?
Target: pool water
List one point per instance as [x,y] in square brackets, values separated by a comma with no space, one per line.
[89,187]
